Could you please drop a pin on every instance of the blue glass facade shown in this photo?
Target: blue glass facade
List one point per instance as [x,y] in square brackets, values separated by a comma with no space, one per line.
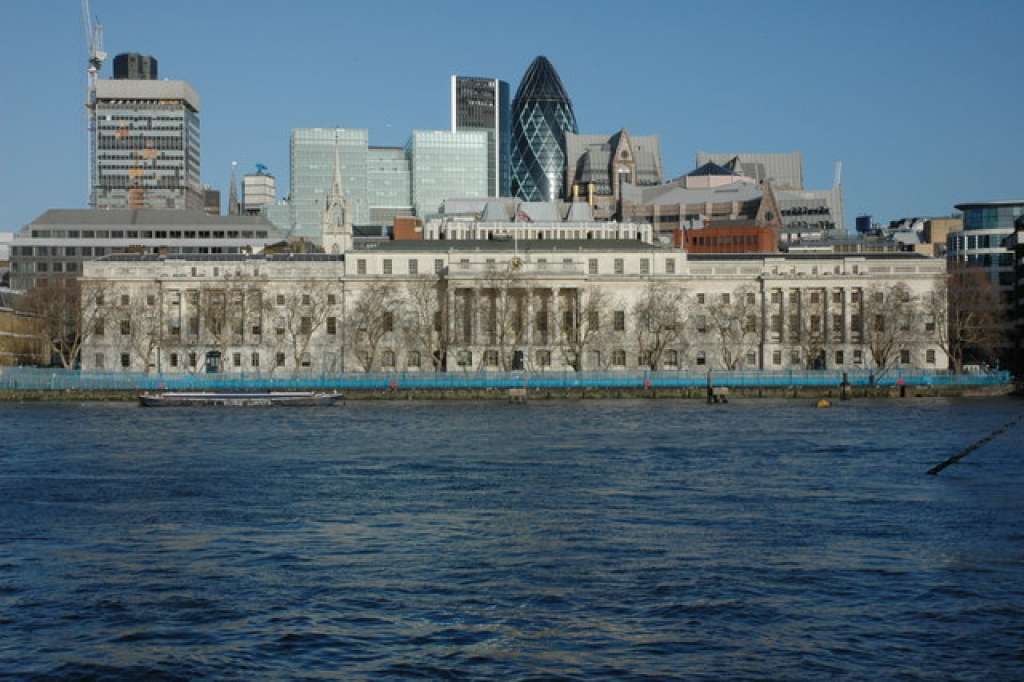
[541,115]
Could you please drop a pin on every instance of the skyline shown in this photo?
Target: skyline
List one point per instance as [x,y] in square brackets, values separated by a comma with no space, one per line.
[384,79]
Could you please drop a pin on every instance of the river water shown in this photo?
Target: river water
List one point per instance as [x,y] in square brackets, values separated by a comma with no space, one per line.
[567,540]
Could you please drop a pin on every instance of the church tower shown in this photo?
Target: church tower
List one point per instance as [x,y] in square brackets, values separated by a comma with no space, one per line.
[336,224]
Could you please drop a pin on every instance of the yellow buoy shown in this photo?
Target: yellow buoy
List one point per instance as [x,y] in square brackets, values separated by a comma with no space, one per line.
[824,403]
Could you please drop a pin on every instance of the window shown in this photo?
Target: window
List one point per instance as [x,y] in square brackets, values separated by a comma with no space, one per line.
[125,299]
[750,324]
[644,359]
[700,299]
[619,358]
[594,319]
[702,359]
[858,357]
[929,356]
[98,326]
[279,359]
[126,360]
[702,324]
[794,297]
[254,360]
[855,296]
[929,326]
[332,299]
[332,325]
[839,357]
[306,299]
[670,266]
[751,298]
[815,297]
[99,298]
[544,358]
[777,357]
[645,266]
[389,321]
[751,358]
[280,299]
[620,266]
[100,361]
[387,266]
[192,360]
[412,358]
[837,296]
[414,266]
[777,296]
[361,266]
[794,357]
[592,266]
[151,300]
[465,358]
[279,326]
[438,266]
[236,359]
[672,358]
[126,327]
[173,359]
[904,357]
[620,321]
[387,359]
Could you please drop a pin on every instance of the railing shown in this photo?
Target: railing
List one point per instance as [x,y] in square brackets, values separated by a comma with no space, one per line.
[21,378]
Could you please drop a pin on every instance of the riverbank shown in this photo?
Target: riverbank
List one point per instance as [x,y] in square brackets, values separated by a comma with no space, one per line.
[693,393]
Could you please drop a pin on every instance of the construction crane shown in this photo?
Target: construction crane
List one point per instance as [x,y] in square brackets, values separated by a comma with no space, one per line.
[94,42]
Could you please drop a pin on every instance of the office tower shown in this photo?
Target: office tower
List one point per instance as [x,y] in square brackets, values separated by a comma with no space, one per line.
[312,172]
[135,66]
[211,200]
[388,184]
[541,115]
[483,104]
[447,165]
[259,189]
[145,145]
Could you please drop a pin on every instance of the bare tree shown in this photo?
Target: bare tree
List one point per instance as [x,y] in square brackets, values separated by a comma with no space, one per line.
[69,313]
[504,314]
[659,317]
[137,329]
[811,328]
[297,316]
[372,319]
[735,321]
[424,322]
[890,324]
[965,317]
[585,326]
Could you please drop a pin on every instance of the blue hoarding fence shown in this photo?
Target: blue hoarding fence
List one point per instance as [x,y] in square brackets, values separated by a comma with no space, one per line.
[22,378]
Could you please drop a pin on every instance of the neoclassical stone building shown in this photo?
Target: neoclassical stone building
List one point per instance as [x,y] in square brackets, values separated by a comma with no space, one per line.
[544,305]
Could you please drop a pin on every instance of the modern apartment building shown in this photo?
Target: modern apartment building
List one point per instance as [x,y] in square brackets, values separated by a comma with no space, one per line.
[483,104]
[145,145]
[542,114]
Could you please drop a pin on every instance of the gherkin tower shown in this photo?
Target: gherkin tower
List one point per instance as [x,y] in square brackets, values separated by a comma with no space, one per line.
[541,115]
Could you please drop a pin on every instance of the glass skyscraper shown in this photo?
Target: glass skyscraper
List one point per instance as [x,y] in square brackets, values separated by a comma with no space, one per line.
[541,115]
[483,104]
[388,184]
[447,165]
[312,171]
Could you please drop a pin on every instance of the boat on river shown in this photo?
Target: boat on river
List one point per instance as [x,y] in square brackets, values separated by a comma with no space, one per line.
[268,399]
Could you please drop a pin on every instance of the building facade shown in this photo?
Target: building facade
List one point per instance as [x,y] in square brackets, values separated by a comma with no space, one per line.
[986,240]
[447,164]
[483,104]
[145,145]
[542,114]
[536,305]
[60,241]
[388,184]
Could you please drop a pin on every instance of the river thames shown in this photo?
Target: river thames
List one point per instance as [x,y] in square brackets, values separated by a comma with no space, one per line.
[571,540]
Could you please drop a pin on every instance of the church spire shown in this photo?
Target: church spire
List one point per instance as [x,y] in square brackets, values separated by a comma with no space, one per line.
[336,227]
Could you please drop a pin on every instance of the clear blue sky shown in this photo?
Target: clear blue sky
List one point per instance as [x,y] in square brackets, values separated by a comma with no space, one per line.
[922,101]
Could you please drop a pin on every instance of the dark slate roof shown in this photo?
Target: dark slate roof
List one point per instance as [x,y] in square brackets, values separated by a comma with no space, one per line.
[156,217]
[710,169]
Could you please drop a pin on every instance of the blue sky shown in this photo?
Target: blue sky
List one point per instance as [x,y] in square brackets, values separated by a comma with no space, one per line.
[922,101]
